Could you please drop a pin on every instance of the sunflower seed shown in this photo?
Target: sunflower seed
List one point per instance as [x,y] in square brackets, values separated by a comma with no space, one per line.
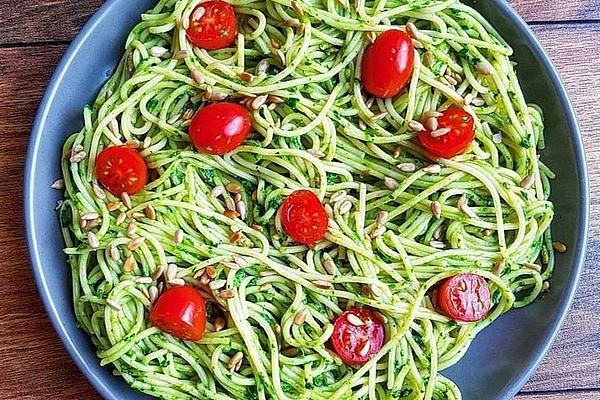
[133,144]
[231,214]
[114,305]
[235,362]
[440,132]
[178,236]
[497,138]
[219,324]
[417,44]
[83,224]
[381,218]
[362,125]
[259,101]
[126,199]
[88,216]
[275,99]
[559,247]
[181,54]
[235,238]
[129,264]
[371,36]
[113,205]
[267,273]
[436,209]
[262,67]
[322,284]
[478,102]
[292,22]
[120,219]
[230,203]
[436,244]
[246,76]
[338,196]
[135,243]
[438,233]
[114,253]
[380,230]
[300,316]
[77,157]
[545,286]
[198,13]
[150,212]
[218,284]
[241,209]
[218,96]
[451,80]
[375,290]
[171,272]
[144,280]
[354,320]
[431,123]
[469,98]
[345,207]
[58,184]
[177,282]
[416,126]
[499,267]
[130,230]
[297,8]
[329,265]
[316,153]
[158,51]
[153,294]
[227,294]
[411,29]
[390,183]
[113,126]
[233,187]
[93,240]
[365,348]
[487,232]
[527,182]
[433,169]
[485,68]
[407,167]
[98,192]
[158,272]
[160,287]
[397,151]
[533,266]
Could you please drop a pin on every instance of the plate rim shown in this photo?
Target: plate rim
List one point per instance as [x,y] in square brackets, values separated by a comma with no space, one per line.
[104,388]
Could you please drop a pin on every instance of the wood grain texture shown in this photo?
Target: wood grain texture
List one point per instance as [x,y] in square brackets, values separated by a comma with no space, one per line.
[28,346]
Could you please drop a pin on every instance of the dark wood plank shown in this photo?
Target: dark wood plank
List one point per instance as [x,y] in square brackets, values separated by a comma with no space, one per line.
[570,10]
[43,20]
[59,20]
[572,395]
[29,347]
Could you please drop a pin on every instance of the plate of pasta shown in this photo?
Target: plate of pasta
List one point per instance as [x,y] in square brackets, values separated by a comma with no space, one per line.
[291,199]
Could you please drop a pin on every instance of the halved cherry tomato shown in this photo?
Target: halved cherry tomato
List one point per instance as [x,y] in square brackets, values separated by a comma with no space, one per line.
[121,169]
[357,334]
[212,25]
[303,217]
[220,127]
[388,64]
[180,311]
[462,133]
[464,297]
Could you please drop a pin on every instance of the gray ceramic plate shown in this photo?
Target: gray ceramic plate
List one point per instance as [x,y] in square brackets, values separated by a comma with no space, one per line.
[501,358]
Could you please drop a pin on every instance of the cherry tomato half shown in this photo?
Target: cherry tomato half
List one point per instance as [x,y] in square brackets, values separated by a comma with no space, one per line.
[212,25]
[388,64]
[357,334]
[303,217]
[121,169]
[220,127]
[464,297]
[180,311]
[462,133]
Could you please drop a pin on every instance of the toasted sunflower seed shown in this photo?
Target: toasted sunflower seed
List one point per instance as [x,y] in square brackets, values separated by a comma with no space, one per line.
[290,351]
[218,284]
[235,362]
[198,13]
[150,212]
[559,247]
[300,316]
[98,192]
[416,126]
[412,30]
[485,68]
[114,253]
[381,218]
[126,199]
[432,123]
[135,243]
[527,182]
[144,280]
[231,214]
[407,167]
[417,44]
[246,76]
[380,230]
[371,36]
[487,232]
[354,320]
[468,99]
[129,264]
[436,244]
[130,230]
[219,324]
[433,169]
[198,77]
[545,286]
[329,265]
[158,272]
[379,117]
[280,56]
[451,80]
[365,348]
[397,152]
[93,240]
[316,153]
[436,209]
[297,8]
[499,267]
[259,101]
[158,51]
[58,184]
[390,183]
[322,284]
[440,132]
[181,54]
[375,290]
[77,157]
[233,187]
[428,59]
[114,305]
[262,67]
[241,209]
[345,207]
[478,102]
[533,266]
[171,272]
[227,294]
[120,219]
[338,196]
[153,294]
[89,216]
[211,272]
[178,236]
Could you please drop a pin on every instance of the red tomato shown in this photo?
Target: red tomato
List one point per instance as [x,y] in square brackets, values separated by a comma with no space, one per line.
[462,133]
[388,64]
[215,28]
[464,297]
[220,127]
[355,344]
[121,169]
[180,311]
[303,217]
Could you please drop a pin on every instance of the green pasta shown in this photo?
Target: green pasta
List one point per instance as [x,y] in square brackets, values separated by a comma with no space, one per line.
[313,127]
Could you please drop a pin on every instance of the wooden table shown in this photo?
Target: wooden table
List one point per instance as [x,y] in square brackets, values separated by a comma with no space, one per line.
[34,35]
